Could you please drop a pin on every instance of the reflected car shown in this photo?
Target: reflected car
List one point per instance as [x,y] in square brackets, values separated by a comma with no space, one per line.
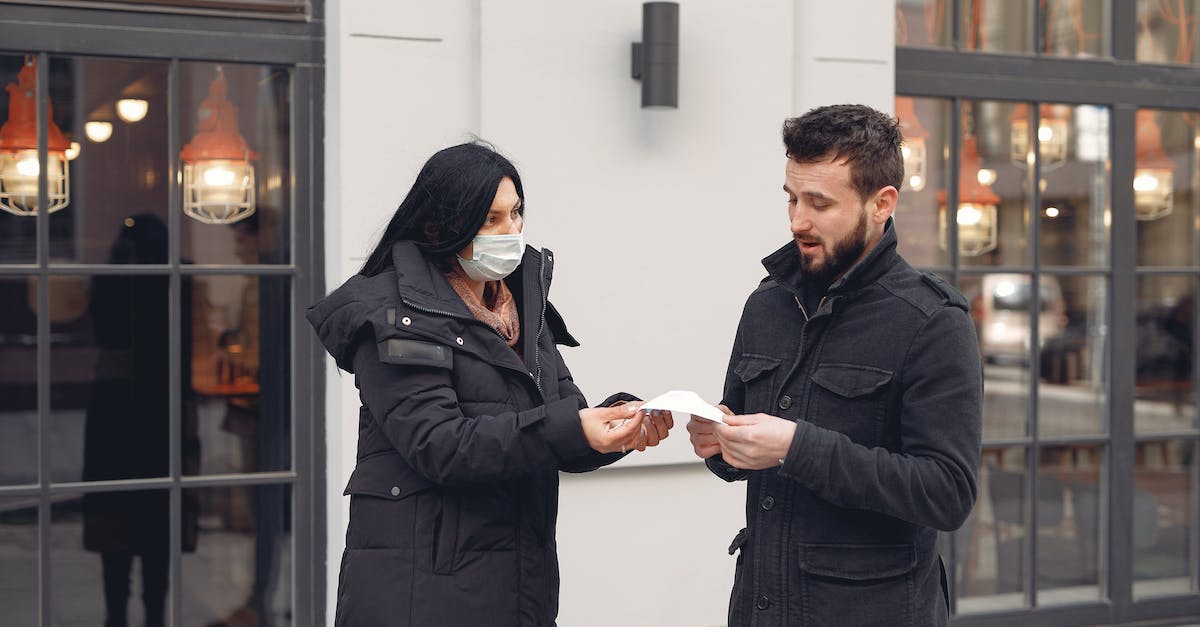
[1001,312]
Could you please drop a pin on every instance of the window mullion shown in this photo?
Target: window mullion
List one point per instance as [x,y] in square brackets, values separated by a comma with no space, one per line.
[175,344]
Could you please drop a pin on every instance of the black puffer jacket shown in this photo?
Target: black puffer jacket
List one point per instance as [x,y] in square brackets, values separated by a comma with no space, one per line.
[455,491]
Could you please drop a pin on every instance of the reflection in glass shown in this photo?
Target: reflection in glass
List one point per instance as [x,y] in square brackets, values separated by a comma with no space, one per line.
[1069,524]
[240,373]
[110,555]
[1000,305]
[923,23]
[996,26]
[18,561]
[1075,28]
[236,164]
[993,192]
[110,364]
[18,380]
[1073,350]
[1166,186]
[923,122]
[1165,355]
[117,177]
[242,570]
[1166,32]
[989,549]
[1164,526]
[1074,217]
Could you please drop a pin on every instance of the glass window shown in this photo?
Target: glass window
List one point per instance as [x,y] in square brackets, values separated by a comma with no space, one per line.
[1074,216]
[237,387]
[1166,187]
[1075,28]
[1164,523]
[1073,355]
[996,26]
[240,573]
[924,123]
[18,380]
[18,159]
[923,23]
[19,560]
[994,189]
[990,546]
[235,164]
[1068,529]
[1165,389]
[1005,337]
[1166,32]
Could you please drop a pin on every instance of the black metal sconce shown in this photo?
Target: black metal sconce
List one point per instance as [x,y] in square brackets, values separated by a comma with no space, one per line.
[656,56]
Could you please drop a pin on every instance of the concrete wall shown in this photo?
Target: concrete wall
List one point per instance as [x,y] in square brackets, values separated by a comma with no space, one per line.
[658,219]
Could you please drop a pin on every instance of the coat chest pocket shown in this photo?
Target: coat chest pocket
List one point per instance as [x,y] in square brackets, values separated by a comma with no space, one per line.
[757,373]
[850,398]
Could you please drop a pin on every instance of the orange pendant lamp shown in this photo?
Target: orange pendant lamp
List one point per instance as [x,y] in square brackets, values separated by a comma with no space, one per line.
[19,167]
[913,149]
[218,176]
[1154,172]
[976,214]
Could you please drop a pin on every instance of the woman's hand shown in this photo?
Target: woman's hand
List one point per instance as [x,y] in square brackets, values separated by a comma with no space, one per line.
[613,429]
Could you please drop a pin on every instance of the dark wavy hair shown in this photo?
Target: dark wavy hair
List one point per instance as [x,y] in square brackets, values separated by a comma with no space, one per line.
[447,203]
[866,139]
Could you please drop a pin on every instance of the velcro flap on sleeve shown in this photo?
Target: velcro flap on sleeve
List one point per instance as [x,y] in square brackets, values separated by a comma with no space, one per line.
[408,352]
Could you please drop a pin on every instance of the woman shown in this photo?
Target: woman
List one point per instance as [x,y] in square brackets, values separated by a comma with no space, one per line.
[468,411]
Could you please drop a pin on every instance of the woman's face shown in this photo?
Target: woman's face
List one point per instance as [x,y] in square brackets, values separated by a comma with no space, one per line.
[503,218]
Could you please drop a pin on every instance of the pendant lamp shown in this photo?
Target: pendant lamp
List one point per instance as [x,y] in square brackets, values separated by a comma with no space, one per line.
[19,167]
[218,176]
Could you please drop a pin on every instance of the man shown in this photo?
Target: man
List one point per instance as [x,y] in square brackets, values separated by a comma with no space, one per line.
[856,385]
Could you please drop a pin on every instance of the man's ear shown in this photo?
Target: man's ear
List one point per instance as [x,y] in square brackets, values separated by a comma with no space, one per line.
[883,205]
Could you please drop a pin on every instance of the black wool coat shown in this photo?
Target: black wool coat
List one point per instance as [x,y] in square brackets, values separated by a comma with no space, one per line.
[454,495]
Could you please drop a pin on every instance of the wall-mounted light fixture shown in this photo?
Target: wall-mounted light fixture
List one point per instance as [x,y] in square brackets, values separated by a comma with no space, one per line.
[218,176]
[19,167]
[656,56]
[98,130]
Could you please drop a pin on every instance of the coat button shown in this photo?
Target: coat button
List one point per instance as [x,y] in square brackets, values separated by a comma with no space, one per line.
[395,491]
[767,503]
[406,321]
[459,340]
[763,602]
[785,402]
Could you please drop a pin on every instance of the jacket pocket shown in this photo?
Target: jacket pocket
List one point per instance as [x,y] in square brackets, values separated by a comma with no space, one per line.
[757,373]
[851,399]
[736,611]
[856,584]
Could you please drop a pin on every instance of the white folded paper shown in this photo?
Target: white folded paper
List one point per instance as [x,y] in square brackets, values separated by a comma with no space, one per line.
[684,402]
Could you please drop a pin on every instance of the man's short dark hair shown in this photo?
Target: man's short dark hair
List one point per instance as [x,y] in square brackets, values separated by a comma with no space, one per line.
[866,139]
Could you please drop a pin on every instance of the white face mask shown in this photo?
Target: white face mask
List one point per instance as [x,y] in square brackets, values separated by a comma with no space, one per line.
[494,257]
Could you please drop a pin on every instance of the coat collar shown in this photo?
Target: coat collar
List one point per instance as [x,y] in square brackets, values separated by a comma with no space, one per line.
[783,265]
[421,281]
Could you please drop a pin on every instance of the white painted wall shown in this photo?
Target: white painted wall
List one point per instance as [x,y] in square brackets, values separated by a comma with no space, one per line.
[658,218]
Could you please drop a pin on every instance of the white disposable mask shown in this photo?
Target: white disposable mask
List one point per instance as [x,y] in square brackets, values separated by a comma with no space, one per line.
[494,257]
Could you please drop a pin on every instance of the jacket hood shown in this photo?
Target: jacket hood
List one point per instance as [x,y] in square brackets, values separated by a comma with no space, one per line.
[339,318]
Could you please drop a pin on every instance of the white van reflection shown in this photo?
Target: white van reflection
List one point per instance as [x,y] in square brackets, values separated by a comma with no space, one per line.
[1001,313]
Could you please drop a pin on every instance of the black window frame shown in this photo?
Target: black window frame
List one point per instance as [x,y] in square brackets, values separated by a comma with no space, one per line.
[1124,86]
[298,45]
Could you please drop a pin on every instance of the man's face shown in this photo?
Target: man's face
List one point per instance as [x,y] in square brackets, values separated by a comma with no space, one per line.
[831,224]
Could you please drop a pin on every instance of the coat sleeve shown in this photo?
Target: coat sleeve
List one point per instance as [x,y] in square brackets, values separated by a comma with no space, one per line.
[931,481]
[591,459]
[418,411]
[734,397]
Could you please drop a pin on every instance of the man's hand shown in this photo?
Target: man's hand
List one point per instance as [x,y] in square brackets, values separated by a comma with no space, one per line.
[753,442]
[703,435]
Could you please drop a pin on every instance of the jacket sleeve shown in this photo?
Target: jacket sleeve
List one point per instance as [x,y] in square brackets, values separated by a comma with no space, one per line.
[734,397]
[418,411]
[931,481]
[591,459]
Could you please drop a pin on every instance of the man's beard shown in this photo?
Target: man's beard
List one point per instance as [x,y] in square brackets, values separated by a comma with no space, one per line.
[845,252]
